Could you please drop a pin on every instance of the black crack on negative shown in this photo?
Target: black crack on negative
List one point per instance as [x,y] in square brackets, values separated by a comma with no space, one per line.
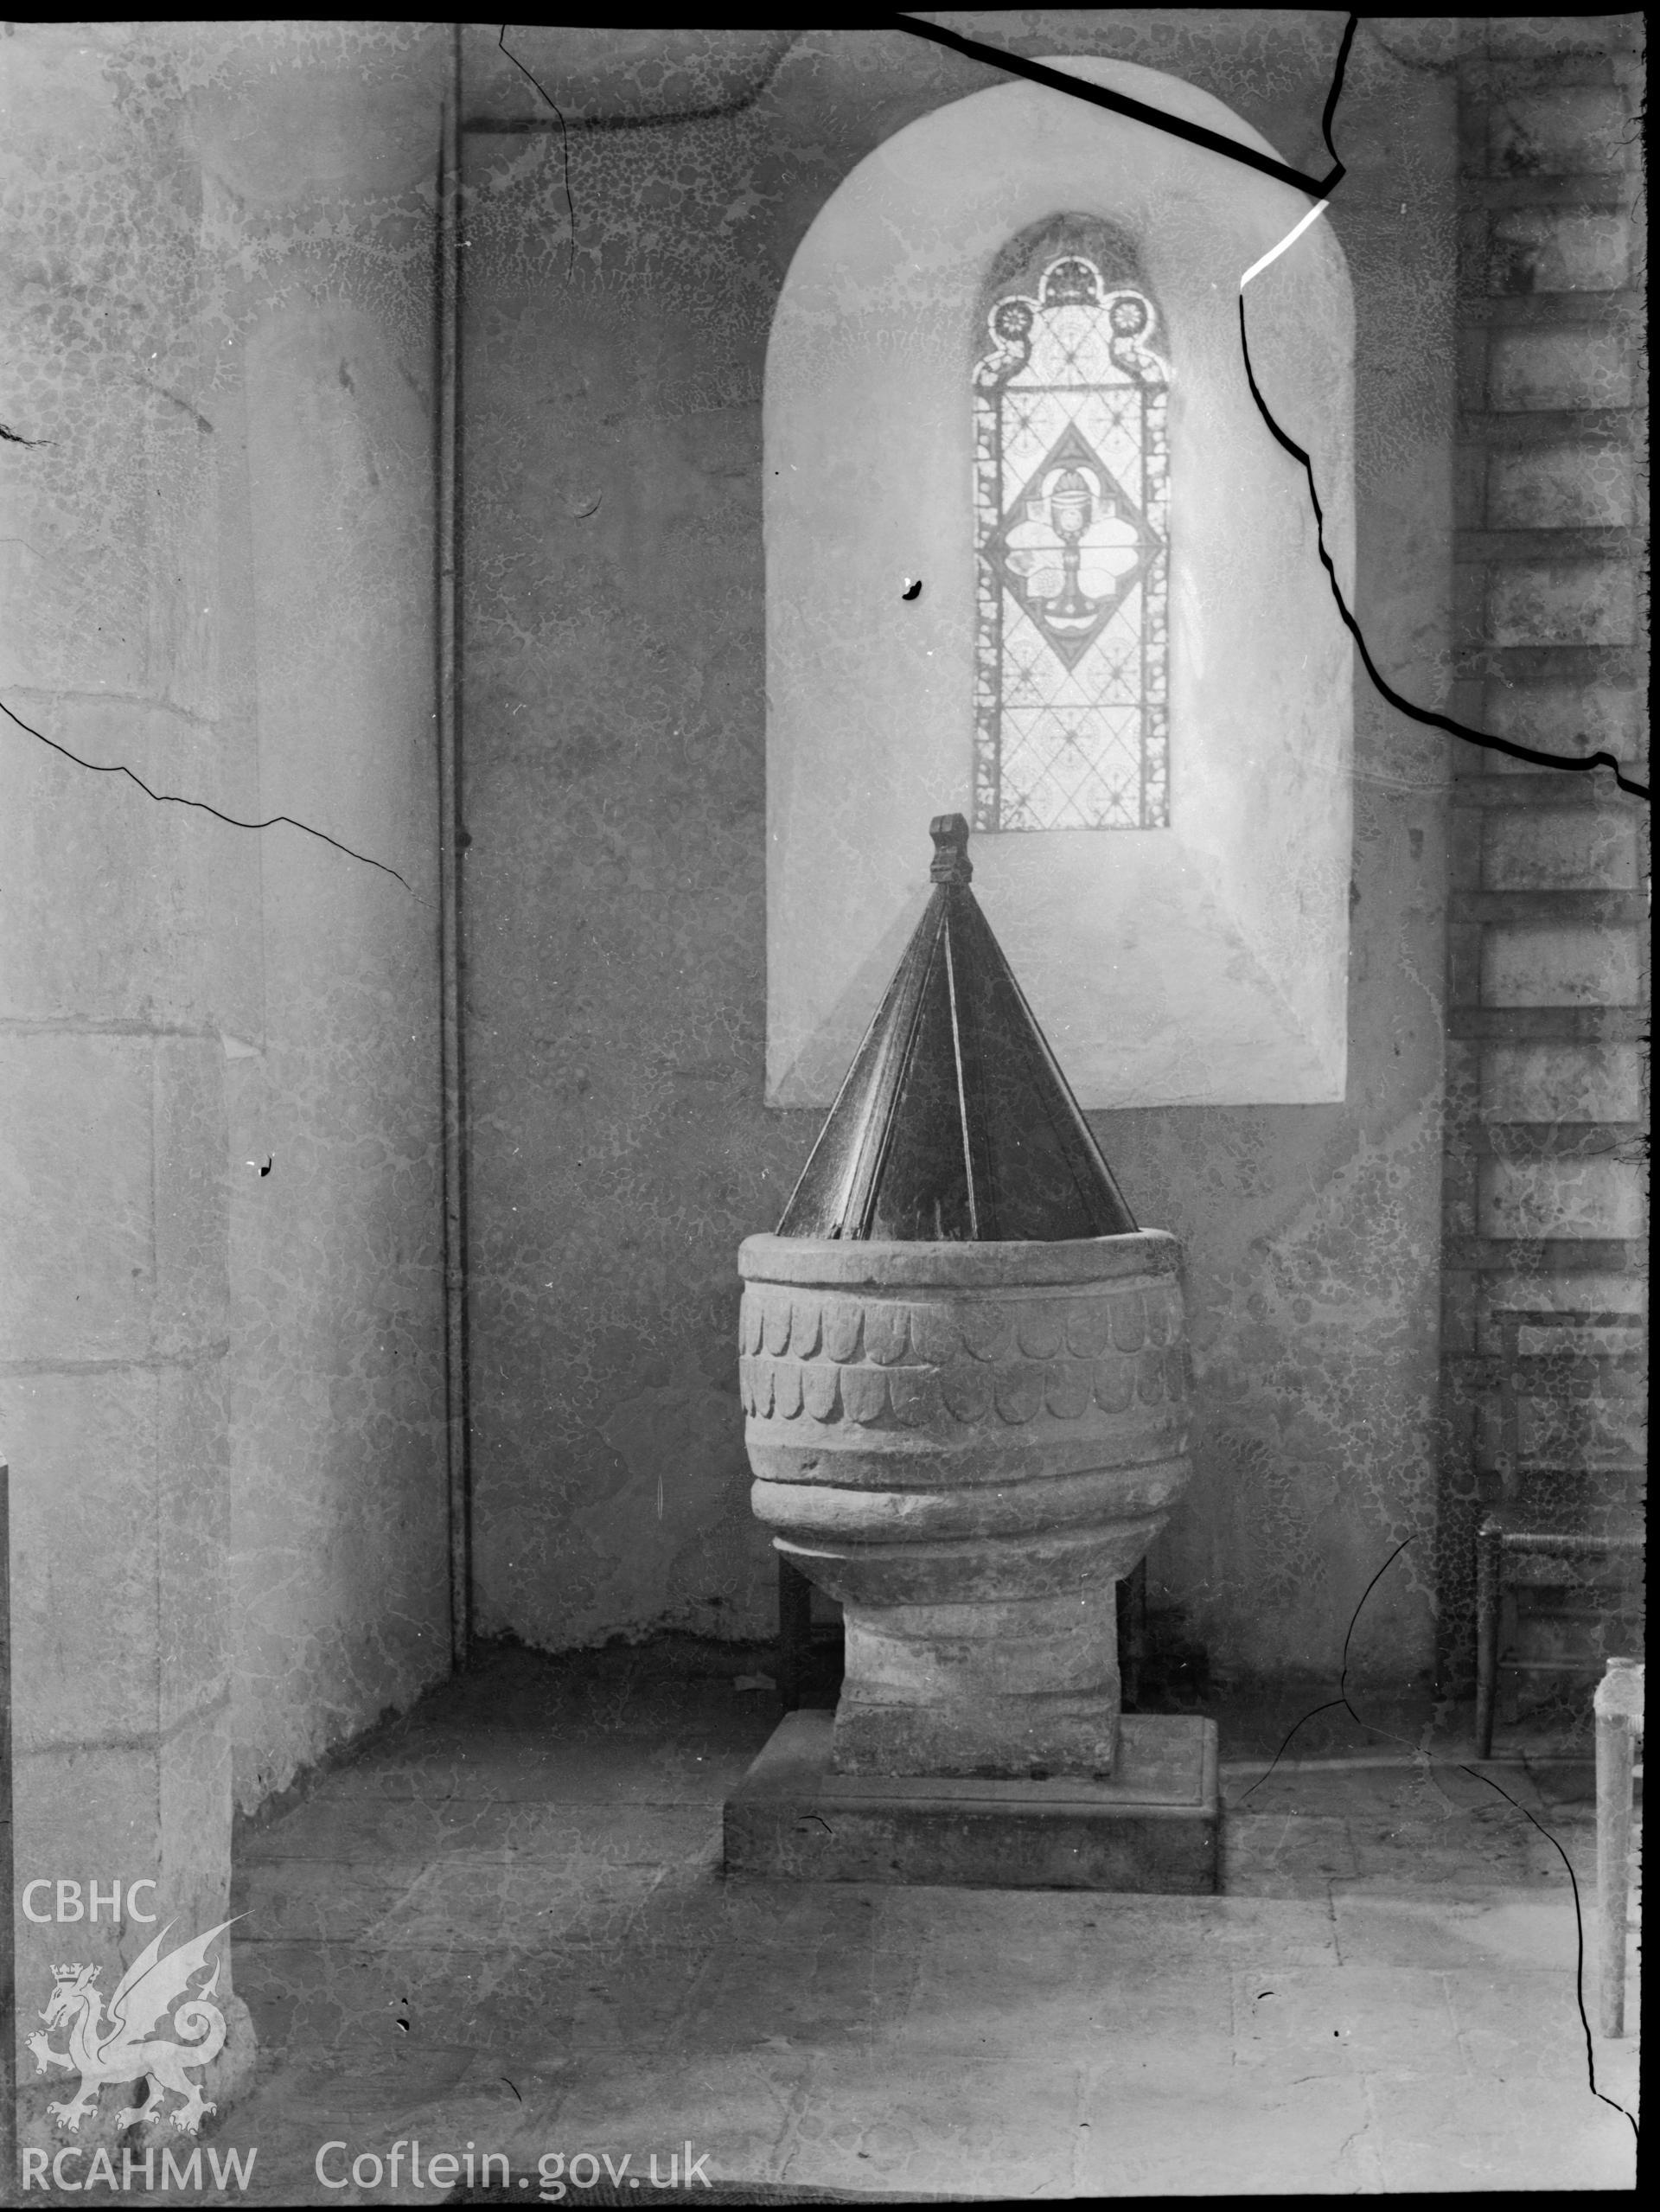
[565,143]
[173,798]
[1426,715]
[1420,1752]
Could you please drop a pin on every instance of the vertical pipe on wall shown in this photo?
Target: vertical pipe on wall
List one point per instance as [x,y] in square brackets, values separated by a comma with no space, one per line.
[448,584]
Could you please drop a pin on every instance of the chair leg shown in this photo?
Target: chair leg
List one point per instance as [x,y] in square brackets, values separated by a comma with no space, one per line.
[1507,1695]
[795,1631]
[1614,1762]
[1490,1551]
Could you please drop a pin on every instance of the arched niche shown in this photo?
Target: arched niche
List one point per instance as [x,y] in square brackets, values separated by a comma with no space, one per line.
[1203,962]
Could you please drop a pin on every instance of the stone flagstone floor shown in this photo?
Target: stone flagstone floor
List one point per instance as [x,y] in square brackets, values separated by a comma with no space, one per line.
[504,1925]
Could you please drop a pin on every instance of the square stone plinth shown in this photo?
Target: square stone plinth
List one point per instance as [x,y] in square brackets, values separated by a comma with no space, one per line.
[1155,1826]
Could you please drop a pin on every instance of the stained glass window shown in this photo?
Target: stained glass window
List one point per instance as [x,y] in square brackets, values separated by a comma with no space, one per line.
[1071,497]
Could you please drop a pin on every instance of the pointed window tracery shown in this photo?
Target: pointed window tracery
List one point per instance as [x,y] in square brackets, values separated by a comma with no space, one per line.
[1071,492]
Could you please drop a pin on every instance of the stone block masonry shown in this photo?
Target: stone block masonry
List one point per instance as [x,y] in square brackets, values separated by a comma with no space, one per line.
[221,1319]
[1544,1199]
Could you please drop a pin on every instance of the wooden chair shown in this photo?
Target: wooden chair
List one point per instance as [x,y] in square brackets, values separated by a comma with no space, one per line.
[1619,1724]
[1506,1556]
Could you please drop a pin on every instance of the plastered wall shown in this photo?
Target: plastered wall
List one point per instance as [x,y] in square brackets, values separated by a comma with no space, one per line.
[224,1366]
[615,795]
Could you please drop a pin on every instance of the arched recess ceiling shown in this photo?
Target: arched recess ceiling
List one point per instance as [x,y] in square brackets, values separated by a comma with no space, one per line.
[1203,963]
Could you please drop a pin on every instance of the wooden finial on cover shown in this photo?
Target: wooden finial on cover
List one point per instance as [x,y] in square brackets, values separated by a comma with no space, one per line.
[951,861]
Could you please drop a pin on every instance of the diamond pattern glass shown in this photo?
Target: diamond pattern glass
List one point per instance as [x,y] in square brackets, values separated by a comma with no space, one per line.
[1071,500]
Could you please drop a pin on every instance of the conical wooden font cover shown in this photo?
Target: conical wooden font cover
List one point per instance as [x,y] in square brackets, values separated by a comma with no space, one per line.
[955,1121]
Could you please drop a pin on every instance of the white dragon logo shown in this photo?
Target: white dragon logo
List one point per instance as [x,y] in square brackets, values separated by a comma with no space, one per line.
[121,2047]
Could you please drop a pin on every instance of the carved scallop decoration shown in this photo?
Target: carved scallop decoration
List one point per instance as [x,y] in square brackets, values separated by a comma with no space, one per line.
[1115,1384]
[776,1333]
[1088,1325]
[804,1326]
[821,1390]
[863,1394]
[935,1332]
[966,1393]
[887,1332]
[1041,1328]
[915,1395]
[1129,1321]
[1071,1382]
[985,1328]
[841,1331]
[787,1389]
[1019,1392]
